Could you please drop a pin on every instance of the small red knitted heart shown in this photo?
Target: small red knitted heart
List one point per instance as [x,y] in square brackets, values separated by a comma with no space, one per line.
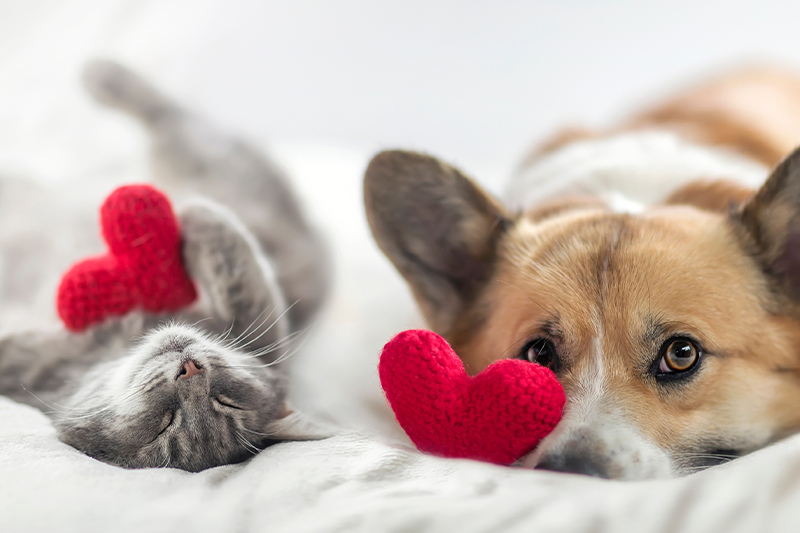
[143,269]
[497,416]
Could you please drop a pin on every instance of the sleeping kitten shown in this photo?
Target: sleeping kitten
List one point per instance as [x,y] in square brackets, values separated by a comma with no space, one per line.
[203,387]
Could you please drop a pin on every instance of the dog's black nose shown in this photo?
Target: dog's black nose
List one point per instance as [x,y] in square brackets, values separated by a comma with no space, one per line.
[574,463]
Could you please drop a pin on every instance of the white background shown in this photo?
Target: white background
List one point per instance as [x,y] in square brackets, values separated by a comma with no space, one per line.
[474,82]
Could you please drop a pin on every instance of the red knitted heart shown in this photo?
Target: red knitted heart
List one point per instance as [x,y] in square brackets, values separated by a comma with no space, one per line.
[497,416]
[143,270]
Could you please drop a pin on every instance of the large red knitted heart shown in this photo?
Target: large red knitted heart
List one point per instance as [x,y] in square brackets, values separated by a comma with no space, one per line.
[143,270]
[497,416]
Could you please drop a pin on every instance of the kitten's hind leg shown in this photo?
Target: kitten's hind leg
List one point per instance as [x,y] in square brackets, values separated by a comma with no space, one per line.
[115,86]
[40,366]
[238,280]
[29,366]
[191,155]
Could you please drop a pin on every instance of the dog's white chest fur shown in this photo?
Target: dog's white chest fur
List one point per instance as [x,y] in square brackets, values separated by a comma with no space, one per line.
[630,170]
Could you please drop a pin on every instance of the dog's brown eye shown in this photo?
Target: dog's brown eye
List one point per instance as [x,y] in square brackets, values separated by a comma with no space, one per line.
[680,356]
[541,352]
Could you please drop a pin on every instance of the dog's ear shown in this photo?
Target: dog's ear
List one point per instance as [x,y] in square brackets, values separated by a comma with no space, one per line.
[437,226]
[771,222]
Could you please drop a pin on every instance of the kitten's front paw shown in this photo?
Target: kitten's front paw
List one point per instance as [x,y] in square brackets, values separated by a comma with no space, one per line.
[222,256]
[215,244]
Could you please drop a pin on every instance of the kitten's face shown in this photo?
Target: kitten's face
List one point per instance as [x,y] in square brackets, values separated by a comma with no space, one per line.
[180,399]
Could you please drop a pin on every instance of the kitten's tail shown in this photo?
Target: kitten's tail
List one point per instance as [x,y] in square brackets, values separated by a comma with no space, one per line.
[116,86]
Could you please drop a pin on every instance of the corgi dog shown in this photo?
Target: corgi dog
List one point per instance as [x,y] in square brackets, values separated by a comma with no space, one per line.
[653,267]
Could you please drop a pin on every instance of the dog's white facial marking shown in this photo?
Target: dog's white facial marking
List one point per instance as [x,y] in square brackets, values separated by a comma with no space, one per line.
[619,203]
[594,436]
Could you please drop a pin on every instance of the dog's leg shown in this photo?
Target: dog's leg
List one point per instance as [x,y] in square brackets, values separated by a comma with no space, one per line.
[191,155]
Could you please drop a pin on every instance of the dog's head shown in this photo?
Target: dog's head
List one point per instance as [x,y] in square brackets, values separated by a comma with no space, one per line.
[675,333]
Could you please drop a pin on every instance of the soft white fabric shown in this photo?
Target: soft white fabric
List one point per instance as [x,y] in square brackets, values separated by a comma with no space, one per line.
[358,483]
[372,481]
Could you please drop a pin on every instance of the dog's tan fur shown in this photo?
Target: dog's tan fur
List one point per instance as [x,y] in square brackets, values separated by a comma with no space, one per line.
[755,111]
[716,262]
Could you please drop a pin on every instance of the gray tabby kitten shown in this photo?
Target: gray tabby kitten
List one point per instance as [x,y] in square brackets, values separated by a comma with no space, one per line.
[200,388]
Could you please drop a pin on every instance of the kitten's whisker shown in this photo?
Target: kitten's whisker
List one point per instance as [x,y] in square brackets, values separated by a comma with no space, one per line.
[227,332]
[286,355]
[270,326]
[59,408]
[272,434]
[274,346]
[291,338]
[303,339]
[246,333]
[246,443]
[196,323]
[165,464]
[55,410]
[270,347]
[714,456]
[88,411]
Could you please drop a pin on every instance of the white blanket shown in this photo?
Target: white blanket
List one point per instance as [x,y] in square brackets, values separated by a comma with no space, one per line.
[368,481]
[358,483]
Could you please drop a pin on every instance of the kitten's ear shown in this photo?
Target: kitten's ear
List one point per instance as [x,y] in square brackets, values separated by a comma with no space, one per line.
[771,223]
[437,226]
[296,425]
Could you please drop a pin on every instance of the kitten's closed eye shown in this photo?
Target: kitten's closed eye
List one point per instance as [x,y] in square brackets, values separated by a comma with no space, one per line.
[227,402]
[166,422]
[199,426]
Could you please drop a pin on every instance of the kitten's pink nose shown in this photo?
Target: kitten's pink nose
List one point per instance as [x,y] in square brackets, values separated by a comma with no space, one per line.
[189,369]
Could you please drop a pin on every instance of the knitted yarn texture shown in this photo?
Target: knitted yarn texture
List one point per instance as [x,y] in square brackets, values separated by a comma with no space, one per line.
[142,270]
[498,415]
